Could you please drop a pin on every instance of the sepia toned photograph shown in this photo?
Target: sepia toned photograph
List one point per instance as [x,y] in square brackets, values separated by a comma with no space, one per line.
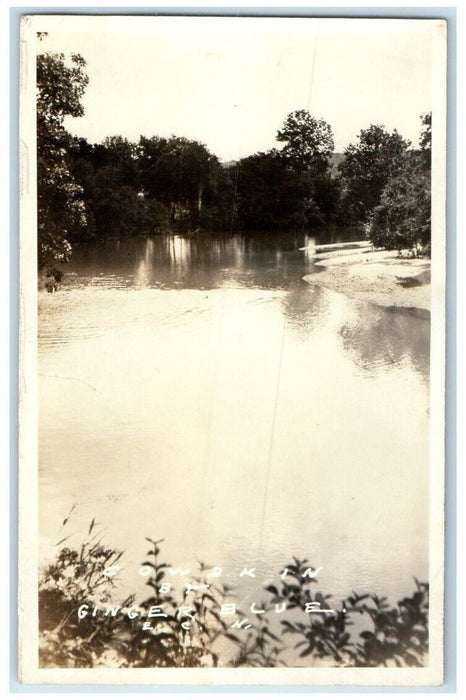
[232,256]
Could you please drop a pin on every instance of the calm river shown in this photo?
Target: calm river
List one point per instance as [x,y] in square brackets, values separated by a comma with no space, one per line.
[197,390]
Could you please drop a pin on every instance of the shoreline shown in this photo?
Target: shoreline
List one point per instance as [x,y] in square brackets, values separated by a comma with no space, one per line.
[379,277]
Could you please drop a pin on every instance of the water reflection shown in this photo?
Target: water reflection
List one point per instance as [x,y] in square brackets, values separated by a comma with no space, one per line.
[199,262]
[332,233]
[304,307]
[373,336]
[380,337]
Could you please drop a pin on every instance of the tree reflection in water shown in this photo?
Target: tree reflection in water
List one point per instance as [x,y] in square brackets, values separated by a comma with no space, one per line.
[304,307]
[388,336]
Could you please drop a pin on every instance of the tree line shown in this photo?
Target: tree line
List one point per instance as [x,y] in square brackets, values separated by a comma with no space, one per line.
[160,185]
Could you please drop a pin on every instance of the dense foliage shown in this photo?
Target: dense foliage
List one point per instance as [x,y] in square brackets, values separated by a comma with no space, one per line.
[367,166]
[288,188]
[119,188]
[60,206]
[308,143]
[402,218]
[188,627]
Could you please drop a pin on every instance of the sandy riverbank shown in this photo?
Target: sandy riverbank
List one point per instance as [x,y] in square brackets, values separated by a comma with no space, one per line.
[380,277]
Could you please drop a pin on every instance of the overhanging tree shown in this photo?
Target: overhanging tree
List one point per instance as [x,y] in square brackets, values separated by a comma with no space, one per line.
[402,219]
[61,212]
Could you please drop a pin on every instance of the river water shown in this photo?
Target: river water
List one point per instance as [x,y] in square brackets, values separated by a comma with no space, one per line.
[199,391]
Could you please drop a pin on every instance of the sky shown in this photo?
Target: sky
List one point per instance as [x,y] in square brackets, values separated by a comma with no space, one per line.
[230,82]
